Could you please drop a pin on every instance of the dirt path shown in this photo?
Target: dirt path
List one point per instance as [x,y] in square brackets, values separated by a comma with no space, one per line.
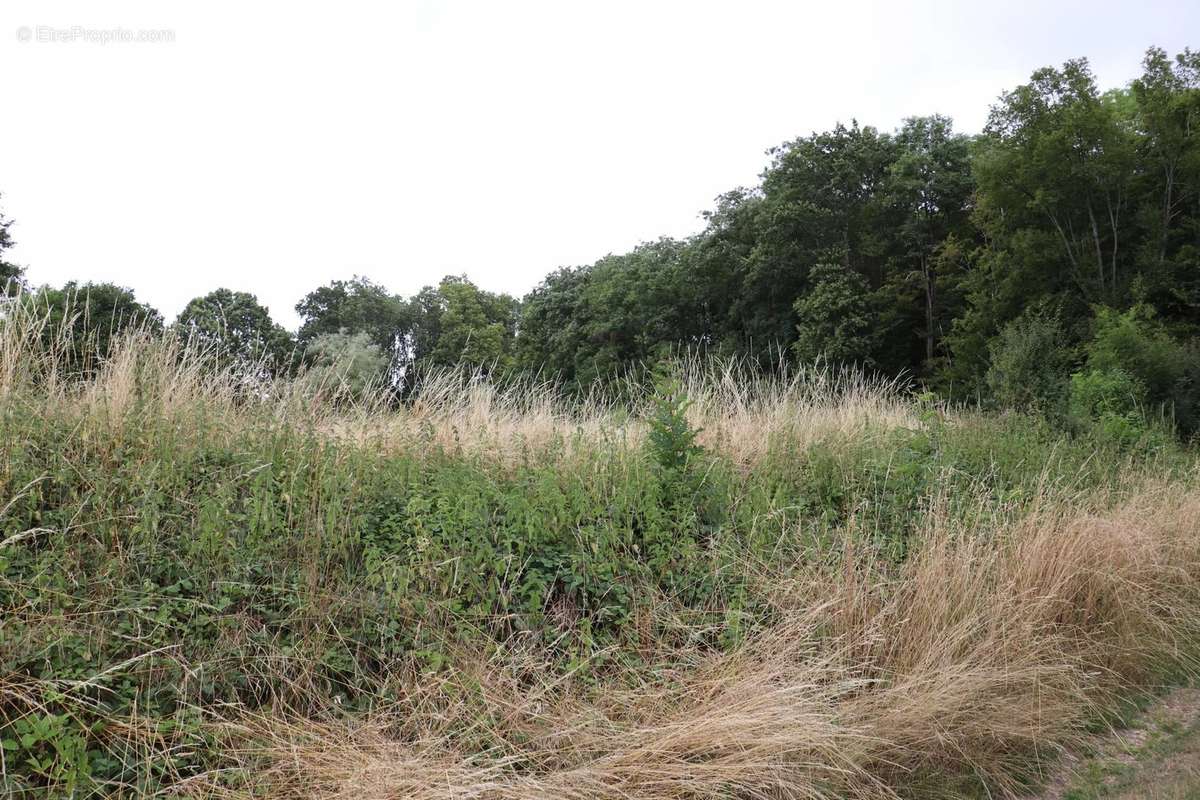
[1156,757]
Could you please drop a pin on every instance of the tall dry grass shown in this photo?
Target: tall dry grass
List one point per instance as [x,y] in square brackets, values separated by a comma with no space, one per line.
[740,411]
[982,656]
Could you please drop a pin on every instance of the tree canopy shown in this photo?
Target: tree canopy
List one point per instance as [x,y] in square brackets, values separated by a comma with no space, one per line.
[237,328]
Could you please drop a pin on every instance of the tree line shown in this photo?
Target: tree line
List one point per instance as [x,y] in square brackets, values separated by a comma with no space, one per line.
[1051,262]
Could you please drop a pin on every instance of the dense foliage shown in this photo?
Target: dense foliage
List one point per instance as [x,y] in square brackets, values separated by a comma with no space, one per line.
[237,328]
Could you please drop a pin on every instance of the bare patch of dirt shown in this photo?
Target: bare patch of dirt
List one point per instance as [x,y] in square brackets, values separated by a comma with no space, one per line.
[1156,757]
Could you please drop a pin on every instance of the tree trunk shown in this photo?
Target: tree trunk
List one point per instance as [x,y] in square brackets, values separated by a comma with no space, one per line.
[1096,240]
[1166,215]
[930,299]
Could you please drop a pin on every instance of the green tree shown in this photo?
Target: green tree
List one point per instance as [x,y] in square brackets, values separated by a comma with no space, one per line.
[1054,174]
[1166,118]
[238,328]
[717,262]
[12,277]
[84,320]
[634,309]
[356,306]
[929,188]
[475,329]
[349,365]
[552,334]
[834,320]
[819,194]
[588,323]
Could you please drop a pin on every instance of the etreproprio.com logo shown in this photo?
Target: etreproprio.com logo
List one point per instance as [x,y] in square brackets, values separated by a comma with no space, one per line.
[53,34]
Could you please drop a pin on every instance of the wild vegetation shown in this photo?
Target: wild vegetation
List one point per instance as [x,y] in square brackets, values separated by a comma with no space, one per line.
[801,585]
[882,486]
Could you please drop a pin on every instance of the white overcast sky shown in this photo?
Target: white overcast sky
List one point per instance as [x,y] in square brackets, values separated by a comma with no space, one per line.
[272,147]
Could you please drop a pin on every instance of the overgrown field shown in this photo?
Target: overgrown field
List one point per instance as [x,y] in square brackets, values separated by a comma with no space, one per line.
[809,586]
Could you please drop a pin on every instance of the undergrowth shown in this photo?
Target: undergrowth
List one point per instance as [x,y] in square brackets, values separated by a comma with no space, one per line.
[517,593]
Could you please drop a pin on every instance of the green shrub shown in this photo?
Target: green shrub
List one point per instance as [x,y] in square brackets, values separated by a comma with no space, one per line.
[50,749]
[1029,365]
[688,510]
[1134,343]
[1112,402]
[1100,392]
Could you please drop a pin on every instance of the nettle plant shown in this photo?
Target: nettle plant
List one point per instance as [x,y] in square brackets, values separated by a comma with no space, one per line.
[671,442]
[687,516]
